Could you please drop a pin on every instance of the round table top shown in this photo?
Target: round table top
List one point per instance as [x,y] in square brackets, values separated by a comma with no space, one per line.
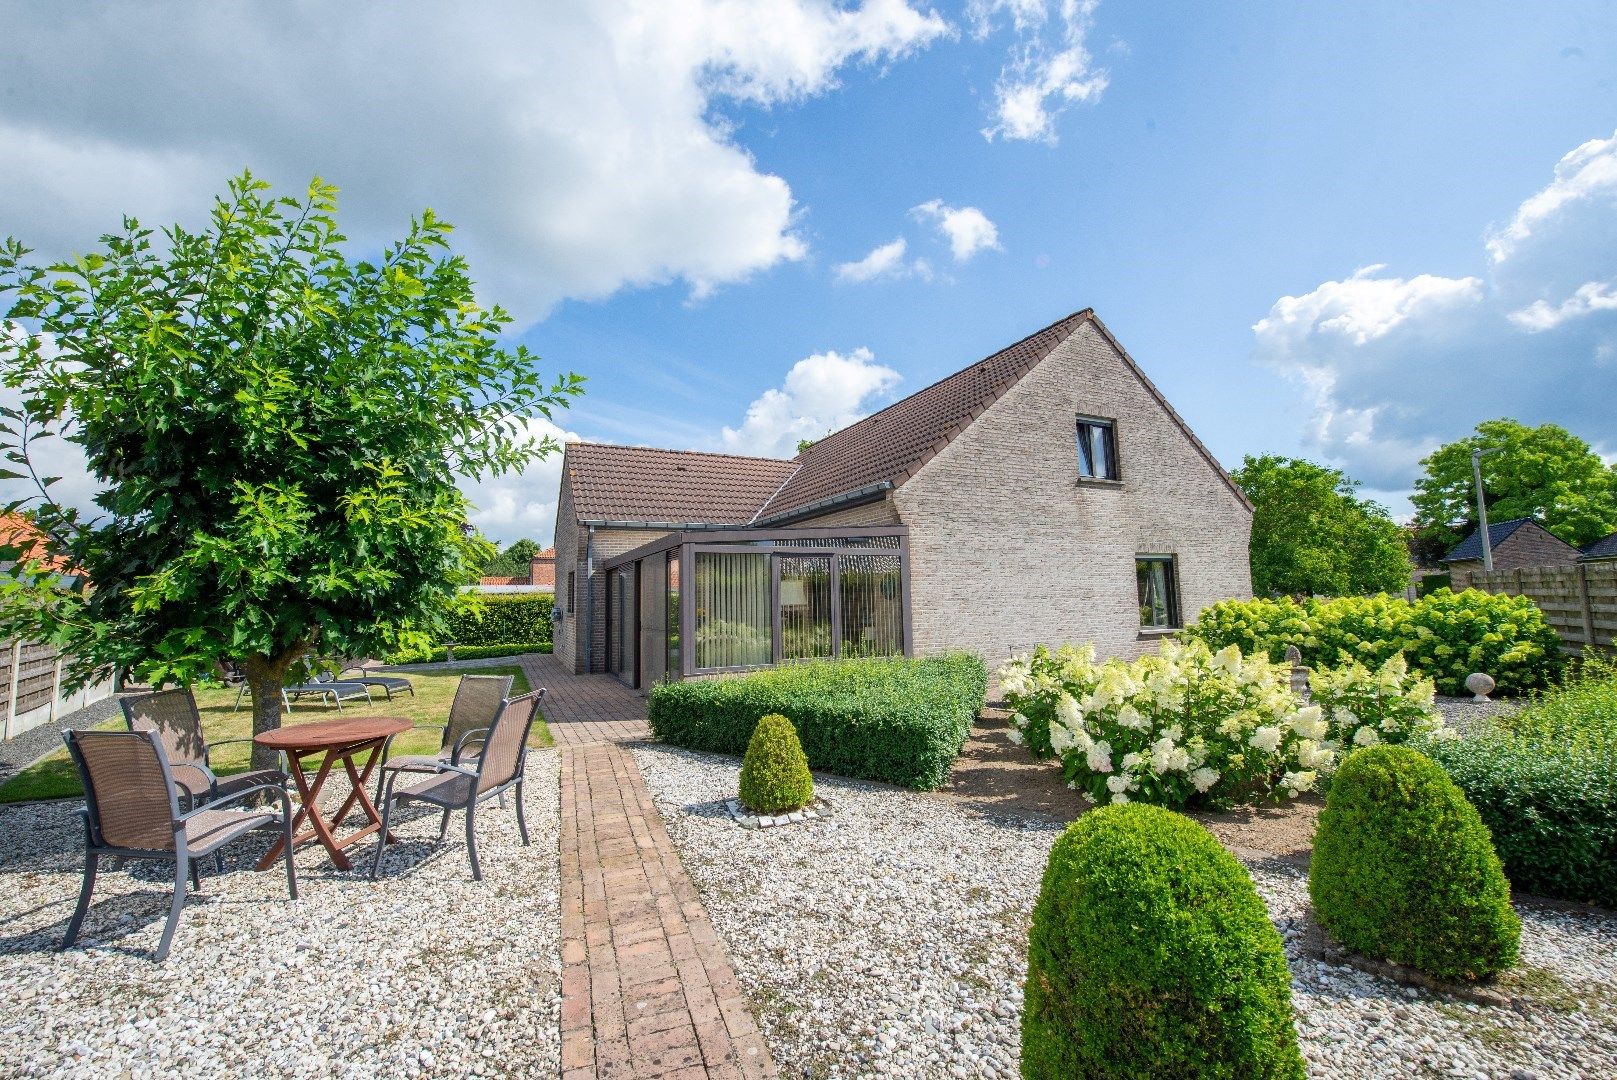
[321,734]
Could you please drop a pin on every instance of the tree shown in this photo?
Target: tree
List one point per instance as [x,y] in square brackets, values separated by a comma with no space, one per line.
[1544,472]
[276,430]
[514,561]
[1311,534]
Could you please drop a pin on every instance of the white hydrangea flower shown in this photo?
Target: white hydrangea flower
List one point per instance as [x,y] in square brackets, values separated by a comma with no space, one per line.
[1128,716]
[1067,710]
[1366,736]
[1117,784]
[1310,723]
[1204,778]
[1119,797]
[1266,739]
[1018,719]
[1132,759]
[1099,757]
[1018,739]
[1296,783]
[1061,739]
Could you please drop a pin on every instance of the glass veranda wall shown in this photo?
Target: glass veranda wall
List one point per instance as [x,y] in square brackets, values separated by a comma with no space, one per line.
[754,598]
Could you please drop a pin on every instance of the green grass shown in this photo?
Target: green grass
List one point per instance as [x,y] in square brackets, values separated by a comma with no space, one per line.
[54,777]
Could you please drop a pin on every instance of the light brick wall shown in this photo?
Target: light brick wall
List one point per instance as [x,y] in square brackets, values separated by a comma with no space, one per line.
[870,515]
[572,554]
[1008,549]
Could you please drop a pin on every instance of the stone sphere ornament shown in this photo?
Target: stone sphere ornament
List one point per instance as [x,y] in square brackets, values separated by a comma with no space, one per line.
[1479,684]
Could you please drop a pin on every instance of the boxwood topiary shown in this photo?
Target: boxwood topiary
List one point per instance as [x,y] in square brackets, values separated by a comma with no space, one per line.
[1405,870]
[1151,955]
[775,774]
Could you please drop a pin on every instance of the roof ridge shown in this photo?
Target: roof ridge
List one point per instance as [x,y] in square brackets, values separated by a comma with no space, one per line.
[667,450]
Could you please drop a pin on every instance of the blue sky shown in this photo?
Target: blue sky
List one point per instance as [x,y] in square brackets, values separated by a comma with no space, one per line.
[671,222]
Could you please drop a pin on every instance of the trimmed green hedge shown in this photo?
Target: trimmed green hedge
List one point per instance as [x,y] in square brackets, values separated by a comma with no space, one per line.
[898,720]
[775,774]
[1545,783]
[1151,955]
[1444,635]
[467,652]
[501,619]
[1405,870]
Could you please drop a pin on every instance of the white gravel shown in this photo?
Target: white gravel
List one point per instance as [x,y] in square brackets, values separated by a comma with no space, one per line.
[423,973]
[892,941]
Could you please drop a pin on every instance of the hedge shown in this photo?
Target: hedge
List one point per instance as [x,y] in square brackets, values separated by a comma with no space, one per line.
[501,619]
[1151,955]
[775,774]
[898,720]
[1445,635]
[1404,869]
[1545,783]
[467,652]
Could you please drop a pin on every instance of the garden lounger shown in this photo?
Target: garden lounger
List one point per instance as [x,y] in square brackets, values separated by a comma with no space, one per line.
[477,702]
[172,716]
[331,690]
[132,811]
[392,684]
[458,787]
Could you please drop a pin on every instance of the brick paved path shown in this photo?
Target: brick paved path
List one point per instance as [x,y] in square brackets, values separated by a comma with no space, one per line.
[647,988]
[585,709]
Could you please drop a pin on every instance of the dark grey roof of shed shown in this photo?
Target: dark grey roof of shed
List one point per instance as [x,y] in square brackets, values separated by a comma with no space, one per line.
[1604,548]
[1470,548]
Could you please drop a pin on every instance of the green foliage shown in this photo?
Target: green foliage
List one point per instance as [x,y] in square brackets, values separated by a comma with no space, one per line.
[500,619]
[1545,783]
[1151,955]
[440,653]
[899,720]
[1433,582]
[1404,869]
[1311,534]
[515,561]
[277,430]
[1544,472]
[775,774]
[1444,636]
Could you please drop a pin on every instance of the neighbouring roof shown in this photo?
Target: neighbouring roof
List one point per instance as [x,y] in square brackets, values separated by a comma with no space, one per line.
[641,484]
[1470,549]
[502,579]
[18,532]
[1604,548]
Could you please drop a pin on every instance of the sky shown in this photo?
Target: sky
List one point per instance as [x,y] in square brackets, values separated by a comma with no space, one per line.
[1346,232]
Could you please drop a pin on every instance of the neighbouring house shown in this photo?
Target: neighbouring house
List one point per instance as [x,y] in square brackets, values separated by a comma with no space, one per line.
[541,577]
[1048,493]
[1517,544]
[1601,550]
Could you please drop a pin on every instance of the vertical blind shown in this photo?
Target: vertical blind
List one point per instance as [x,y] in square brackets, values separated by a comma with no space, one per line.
[805,606]
[872,605]
[734,625]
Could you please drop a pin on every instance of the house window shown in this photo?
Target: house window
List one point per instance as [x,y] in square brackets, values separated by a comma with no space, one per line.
[1097,449]
[571,586]
[1158,589]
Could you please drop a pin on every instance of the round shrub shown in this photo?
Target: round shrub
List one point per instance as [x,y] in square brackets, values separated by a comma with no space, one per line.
[1151,955]
[775,773]
[1405,870]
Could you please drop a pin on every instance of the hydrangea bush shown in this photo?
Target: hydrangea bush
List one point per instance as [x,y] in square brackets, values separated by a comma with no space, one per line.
[1365,708]
[1187,725]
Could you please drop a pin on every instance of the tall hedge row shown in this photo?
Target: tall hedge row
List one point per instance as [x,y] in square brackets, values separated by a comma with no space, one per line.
[503,619]
[1445,635]
[902,721]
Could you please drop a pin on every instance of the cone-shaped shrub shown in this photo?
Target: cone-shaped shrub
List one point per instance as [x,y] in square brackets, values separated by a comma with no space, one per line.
[1404,869]
[1151,955]
[775,774]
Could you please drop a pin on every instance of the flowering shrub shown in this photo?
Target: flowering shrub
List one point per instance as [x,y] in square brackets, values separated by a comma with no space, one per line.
[1445,635]
[1185,725]
[1364,708]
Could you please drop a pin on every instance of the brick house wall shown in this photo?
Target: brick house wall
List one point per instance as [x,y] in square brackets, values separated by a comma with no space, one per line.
[572,555]
[1529,546]
[1008,548]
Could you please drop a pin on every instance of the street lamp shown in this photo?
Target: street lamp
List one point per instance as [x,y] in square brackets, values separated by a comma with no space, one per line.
[1482,504]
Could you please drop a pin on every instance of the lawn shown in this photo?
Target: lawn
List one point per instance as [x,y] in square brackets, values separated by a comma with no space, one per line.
[54,777]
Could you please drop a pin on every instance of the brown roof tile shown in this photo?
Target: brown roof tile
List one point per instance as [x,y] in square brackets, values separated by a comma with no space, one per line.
[637,483]
[891,445]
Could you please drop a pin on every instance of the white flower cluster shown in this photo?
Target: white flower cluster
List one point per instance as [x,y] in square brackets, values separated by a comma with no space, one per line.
[1365,708]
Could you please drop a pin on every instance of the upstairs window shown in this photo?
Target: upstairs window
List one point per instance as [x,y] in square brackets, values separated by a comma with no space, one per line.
[1158,589]
[1097,448]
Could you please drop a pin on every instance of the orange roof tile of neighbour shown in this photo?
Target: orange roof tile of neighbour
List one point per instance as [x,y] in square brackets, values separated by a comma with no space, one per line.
[18,532]
[684,487]
[502,580]
[888,447]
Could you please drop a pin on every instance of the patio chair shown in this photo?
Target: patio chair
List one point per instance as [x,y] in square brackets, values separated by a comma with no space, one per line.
[500,766]
[477,702]
[391,684]
[172,715]
[132,811]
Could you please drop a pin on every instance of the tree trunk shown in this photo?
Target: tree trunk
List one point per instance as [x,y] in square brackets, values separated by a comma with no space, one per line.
[265,677]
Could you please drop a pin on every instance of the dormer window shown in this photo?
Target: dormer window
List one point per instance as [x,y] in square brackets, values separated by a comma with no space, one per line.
[1097,448]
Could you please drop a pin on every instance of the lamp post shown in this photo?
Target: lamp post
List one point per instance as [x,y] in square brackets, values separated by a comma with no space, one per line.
[1482,505]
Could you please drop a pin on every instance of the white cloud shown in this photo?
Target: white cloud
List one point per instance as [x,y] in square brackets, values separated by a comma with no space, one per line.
[1395,365]
[967,228]
[821,394]
[885,261]
[1050,67]
[523,504]
[578,148]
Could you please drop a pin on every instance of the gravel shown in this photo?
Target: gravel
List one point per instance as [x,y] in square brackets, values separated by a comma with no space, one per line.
[890,941]
[407,976]
[1462,713]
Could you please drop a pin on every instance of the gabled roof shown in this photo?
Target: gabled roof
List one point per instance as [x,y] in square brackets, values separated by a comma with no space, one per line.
[1604,548]
[641,484]
[1470,548]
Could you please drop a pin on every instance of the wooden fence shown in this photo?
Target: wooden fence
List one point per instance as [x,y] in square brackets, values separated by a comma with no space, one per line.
[1579,601]
[31,681]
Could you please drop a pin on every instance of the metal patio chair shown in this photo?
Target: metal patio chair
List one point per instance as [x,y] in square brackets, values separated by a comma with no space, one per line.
[172,715]
[500,766]
[132,811]
[477,702]
[390,684]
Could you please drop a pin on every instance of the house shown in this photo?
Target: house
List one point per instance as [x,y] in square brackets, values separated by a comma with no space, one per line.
[1601,550]
[1517,544]
[541,577]
[1048,493]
